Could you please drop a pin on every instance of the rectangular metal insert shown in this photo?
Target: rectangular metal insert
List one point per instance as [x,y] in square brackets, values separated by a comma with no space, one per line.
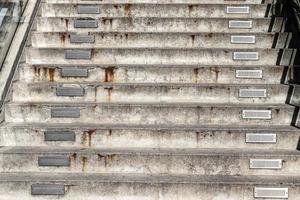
[240,24]
[47,189]
[88,9]
[257,114]
[54,161]
[245,56]
[250,74]
[265,164]
[82,38]
[253,93]
[65,112]
[78,54]
[73,72]
[243,39]
[277,193]
[261,138]
[237,9]
[59,136]
[85,23]
[69,91]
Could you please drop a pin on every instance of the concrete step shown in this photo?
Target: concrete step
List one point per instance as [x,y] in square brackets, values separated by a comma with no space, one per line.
[151,93]
[189,25]
[151,136]
[154,74]
[160,40]
[257,57]
[91,2]
[98,9]
[150,114]
[121,186]
[150,161]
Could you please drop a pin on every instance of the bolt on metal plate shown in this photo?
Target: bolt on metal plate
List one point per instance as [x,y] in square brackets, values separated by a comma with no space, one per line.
[88,9]
[237,9]
[85,23]
[257,114]
[261,138]
[249,74]
[278,193]
[78,54]
[239,24]
[252,93]
[243,39]
[73,72]
[65,113]
[70,91]
[47,189]
[59,136]
[54,161]
[265,163]
[245,56]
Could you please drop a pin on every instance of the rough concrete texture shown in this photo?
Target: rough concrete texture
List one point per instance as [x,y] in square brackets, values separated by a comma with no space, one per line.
[149,137]
[152,10]
[159,93]
[146,114]
[152,74]
[153,57]
[154,40]
[190,25]
[155,112]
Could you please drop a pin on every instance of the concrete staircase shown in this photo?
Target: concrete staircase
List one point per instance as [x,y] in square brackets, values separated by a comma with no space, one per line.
[152,99]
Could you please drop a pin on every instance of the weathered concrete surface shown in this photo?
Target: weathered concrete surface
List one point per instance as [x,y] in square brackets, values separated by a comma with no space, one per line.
[152,74]
[146,187]
[155,40]
[190,25]
[150,161]
[152,10]
[160,1]
[163,114]
[146,56]
[169,93]
[104,136]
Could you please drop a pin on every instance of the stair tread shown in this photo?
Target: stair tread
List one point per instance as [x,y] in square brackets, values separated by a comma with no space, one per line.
[149,151]
[152,179]
[277,128]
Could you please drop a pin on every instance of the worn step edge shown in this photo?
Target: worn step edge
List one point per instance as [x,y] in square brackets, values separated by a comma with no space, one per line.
[98,126]
[148,151]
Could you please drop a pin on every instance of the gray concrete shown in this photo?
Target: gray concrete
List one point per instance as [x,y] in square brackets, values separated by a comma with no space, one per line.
[152,74]
[145,161]
[151,10]
[155,40]
[146,187]
[105,136]
[169,93]
[164,114]
[189,25]
[160,1]
[153,110]
[155,57]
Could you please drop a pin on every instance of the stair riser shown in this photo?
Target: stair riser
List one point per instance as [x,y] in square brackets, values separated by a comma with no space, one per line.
[131,114]
[155,57]
[91,2]
[156,25]
[151,164]
[129,191]
[270,75]
[151,40]
[144,10]
[147,139]
[170,94]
